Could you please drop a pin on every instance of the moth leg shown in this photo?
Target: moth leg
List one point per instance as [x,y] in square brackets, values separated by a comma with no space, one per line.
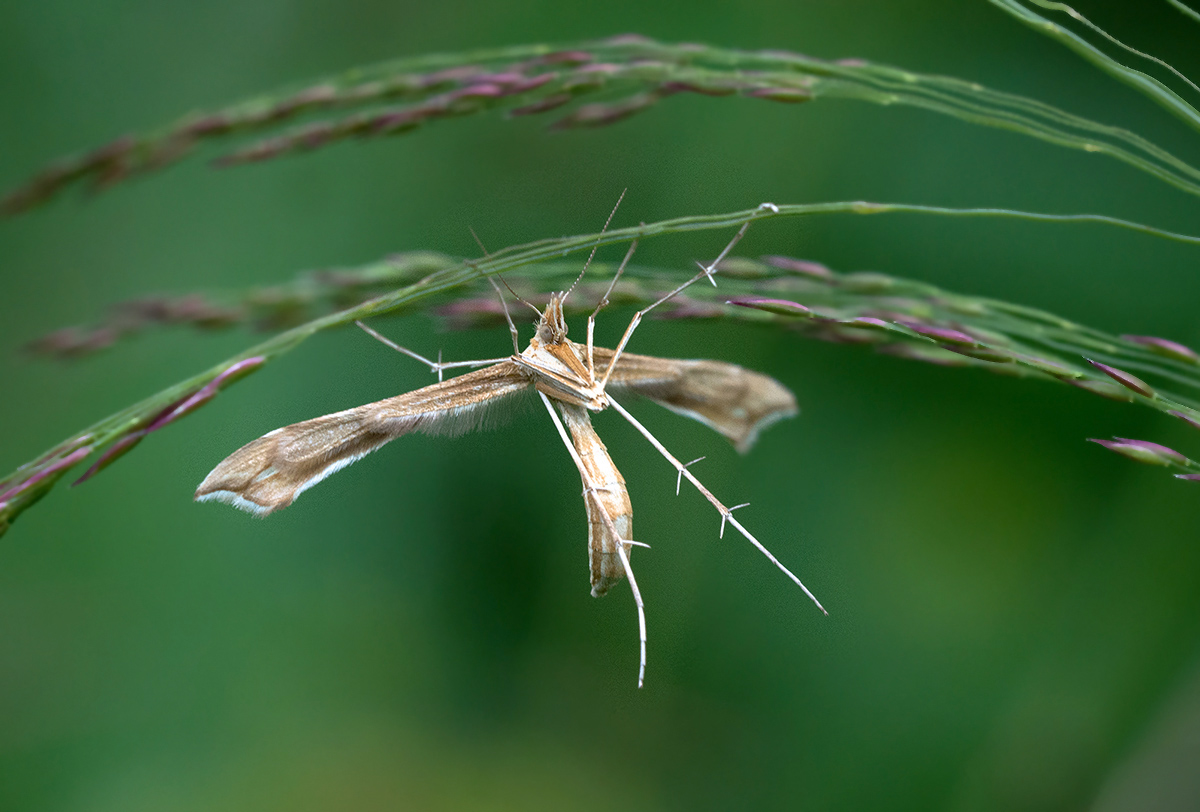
[591,368]
[705,271]
[434,366]
[726,513]
[591,324]
[589,491]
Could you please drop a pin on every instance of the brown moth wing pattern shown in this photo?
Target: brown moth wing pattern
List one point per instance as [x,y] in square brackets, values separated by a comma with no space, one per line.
[734,401]
[610,496]
[270,472]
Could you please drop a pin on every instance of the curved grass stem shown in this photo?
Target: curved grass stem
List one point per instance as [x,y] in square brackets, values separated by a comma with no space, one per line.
[117,434]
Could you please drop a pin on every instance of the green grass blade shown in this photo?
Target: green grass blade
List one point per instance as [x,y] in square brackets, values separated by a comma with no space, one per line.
[1147,85]
[1185,10]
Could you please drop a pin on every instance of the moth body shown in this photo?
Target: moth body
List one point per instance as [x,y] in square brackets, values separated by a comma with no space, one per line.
[609,499]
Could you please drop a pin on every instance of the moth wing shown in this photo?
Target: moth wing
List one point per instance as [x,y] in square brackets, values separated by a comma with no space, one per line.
[269,473]
[733,400]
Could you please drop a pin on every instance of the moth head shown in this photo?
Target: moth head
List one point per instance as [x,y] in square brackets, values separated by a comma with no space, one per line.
[552,329]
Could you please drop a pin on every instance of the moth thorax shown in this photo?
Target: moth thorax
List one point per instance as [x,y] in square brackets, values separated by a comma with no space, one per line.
[552,329]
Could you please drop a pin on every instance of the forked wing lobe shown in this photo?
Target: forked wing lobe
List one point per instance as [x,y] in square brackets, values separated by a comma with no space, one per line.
[270,472]
[730,399]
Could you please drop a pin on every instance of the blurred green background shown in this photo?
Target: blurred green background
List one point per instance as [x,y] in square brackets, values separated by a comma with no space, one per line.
[1013,611]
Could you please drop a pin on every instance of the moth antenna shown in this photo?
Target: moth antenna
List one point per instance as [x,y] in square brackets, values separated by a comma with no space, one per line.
[726,513]
[434,366]
[512,328]
[479,242]
[517,296]
[611,214]
[705,271]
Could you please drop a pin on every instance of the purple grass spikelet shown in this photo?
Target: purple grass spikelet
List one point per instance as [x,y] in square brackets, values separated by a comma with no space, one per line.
[942,334]
[993,355]
[180,408]
[789,95]
[1169,349]
[801,267]
[1143,451]
[58,465]
[542,105]
[1124,378]
[568,58]
[1189,417]
[778,307]
[600,115]
[704,89]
